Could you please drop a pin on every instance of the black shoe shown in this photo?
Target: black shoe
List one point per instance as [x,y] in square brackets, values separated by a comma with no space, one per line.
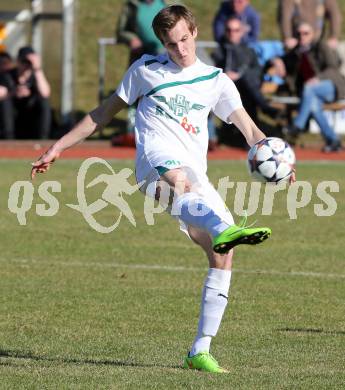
[331,147]
[290,133]
[293,130]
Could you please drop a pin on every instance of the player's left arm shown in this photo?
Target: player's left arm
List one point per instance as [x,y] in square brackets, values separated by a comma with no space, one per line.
[246,125]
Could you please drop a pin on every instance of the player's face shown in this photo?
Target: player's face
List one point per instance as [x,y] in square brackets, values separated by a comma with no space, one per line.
[180,44]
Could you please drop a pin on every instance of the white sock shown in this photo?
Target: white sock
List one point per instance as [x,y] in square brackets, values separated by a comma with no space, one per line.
[213,304]
[193,210]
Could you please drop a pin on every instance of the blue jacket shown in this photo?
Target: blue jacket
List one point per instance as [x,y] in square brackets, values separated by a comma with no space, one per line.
[248,17]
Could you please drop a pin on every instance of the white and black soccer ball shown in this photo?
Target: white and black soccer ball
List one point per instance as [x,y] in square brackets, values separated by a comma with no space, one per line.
[271,160]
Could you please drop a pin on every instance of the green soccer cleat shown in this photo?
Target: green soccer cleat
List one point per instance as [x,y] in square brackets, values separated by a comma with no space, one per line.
[236,235]
[203,361]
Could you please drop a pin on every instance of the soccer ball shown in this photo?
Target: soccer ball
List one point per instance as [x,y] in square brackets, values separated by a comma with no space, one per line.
[271,160]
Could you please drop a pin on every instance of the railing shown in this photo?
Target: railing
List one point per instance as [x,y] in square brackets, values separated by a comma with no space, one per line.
[103,42]
[336,114]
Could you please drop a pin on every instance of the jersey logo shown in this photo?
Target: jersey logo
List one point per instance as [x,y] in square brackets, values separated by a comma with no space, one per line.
[161,73]
[179,105]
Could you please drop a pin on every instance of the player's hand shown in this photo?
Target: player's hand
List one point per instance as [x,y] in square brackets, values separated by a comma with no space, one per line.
[292,178]
[44,162]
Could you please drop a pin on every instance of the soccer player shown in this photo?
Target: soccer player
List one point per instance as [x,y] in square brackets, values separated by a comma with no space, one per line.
[176,92]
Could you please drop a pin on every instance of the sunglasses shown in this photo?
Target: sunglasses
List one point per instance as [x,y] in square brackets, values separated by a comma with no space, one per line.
[301,33]
[232,29]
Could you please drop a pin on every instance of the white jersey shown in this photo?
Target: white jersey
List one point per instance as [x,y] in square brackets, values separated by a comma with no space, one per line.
[174,103]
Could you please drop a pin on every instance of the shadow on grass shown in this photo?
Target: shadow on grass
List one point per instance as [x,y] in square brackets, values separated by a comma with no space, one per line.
[312,330]
[12,354]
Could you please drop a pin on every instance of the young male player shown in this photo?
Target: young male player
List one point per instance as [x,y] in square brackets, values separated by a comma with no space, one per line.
[176,92]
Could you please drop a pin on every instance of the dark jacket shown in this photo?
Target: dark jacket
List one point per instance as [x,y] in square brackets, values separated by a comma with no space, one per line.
[324,62]
[237,58]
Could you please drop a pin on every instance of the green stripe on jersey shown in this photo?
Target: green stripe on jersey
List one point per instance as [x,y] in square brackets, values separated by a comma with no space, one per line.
[176,83]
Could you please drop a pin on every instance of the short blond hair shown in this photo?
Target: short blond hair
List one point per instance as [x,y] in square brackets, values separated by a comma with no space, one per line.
[167,18]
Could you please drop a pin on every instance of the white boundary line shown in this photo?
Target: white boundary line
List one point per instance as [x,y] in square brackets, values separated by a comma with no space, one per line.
[157,267]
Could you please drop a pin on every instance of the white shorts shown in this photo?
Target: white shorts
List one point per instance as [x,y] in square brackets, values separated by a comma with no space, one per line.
[197,179]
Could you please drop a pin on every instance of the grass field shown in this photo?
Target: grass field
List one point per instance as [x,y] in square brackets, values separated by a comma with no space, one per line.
[80,309]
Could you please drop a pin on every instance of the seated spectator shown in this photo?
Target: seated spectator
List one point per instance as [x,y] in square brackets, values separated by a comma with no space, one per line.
[6,127]
[6,62]
[242,10]
[134,28]
[24,108]
[314,12]
[311,70]
[240,63]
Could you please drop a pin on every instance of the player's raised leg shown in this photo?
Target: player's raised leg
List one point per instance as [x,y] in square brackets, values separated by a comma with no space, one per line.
[194,209]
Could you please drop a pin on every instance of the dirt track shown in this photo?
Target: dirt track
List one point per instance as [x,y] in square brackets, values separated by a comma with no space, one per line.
[33,149]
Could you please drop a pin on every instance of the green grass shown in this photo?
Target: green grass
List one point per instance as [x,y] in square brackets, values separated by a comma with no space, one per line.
[77,312]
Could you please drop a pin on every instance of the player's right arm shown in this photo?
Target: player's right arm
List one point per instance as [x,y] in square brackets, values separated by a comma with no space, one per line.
[92,122]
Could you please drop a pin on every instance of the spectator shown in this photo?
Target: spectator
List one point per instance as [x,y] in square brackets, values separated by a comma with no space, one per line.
[6,62]
[6,122]
[311,70]
[243,11]
[24,108]
[240,63]
[134,29]
[313,12]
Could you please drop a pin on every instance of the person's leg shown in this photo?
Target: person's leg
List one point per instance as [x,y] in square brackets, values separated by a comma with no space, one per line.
[212,133]
[324,91]
[41,115]
[304,110]
[192,207]
[213,303]
[312,99]
[7,118]
[251,84]
[248,101]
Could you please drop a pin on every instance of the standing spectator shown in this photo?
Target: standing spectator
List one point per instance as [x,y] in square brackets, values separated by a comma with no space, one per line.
[312,70]
[313,12]
[24,107]
[243,11]
[241,65]
[134,29]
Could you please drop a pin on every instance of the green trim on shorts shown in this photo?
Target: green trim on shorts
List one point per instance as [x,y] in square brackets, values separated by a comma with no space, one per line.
[161,170]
